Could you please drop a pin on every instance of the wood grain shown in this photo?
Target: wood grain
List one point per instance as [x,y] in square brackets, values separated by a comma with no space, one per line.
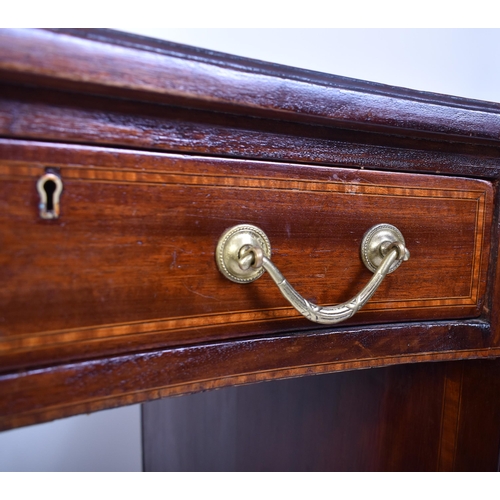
[46,393]
[119,301]
[370,420]
[136,237]
[98,66]
[46,114]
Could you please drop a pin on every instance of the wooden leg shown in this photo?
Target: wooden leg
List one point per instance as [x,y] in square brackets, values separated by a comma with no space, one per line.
[421,417]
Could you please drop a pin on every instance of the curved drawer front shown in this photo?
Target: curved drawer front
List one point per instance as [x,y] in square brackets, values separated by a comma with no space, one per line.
[129,264]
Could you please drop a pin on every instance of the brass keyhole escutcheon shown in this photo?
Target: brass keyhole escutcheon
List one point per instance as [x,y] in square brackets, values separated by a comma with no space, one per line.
[49,188]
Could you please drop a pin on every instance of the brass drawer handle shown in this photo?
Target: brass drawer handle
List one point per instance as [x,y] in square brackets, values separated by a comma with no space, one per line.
[244,252]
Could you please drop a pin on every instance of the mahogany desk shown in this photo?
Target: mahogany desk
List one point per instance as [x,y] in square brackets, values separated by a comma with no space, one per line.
[123,160]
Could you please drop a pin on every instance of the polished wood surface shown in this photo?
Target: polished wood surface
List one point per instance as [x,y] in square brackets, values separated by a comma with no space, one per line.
[46,393]
[421,417]
[135,245]
[57,116]
[160,148]
[133,67]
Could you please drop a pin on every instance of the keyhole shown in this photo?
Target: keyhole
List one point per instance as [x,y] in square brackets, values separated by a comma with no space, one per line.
[49,188]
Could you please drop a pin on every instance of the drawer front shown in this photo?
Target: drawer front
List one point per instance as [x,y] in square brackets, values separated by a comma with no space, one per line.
[129,264]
